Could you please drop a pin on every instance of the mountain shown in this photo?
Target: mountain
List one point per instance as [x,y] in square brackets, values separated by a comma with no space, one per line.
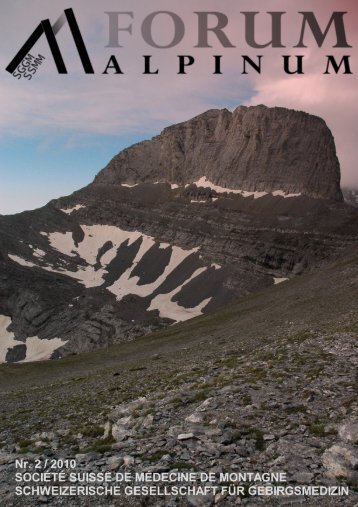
[254,149]
[266,384]
[211,210]
[350,196]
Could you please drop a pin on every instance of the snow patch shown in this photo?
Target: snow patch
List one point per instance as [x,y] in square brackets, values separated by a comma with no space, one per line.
[205,183]
[128,185]
[40,350]
[7,340]
[171,309]
[128,284]
[95,237]
[63,242]
[68,211]
[279,280]
[38,252]
[283,194]
[86,275]
[256,195]
[36,349]
[21,261]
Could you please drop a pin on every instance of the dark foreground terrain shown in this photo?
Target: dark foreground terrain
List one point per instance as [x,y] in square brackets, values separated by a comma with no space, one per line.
[267,384]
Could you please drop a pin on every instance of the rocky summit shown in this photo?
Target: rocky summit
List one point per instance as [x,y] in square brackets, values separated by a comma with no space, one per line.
[253,149]
[211,210]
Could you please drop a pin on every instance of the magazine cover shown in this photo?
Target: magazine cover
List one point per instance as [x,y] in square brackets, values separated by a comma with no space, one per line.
[178,253]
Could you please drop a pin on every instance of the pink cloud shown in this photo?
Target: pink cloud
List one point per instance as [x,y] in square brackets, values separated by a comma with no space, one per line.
[333,97]
[135,103]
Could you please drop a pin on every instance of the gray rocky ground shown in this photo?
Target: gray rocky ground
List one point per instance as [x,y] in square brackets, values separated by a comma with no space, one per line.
[267,384]
[263,384]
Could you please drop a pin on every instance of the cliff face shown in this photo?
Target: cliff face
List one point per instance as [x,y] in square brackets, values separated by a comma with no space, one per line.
[252,149]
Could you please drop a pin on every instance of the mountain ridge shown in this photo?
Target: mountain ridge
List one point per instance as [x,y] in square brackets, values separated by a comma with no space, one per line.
[121,258]
[252,149]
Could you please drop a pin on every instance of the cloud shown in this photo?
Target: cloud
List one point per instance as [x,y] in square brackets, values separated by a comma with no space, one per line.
[332,97]
[78,104]
[109,103]
[313,93]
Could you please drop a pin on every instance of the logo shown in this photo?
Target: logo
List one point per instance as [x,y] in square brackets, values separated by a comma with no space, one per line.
[25,64]
[22,58]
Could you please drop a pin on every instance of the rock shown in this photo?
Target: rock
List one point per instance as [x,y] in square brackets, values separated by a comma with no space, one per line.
[123,411]
[200,500]
[147,421]
[205,405]
[107,430]
[173,431]
[185,436]
[47,435]
[341,461]
[303,477]
[298,149]
[219,498]
[81,457]
[349,432]
[122,428]
[194,419]
[229,437]
[243,451]
[63,432]
[213,432]
[114,462]
[100,462]
[5,458]
[128,461]
[269,437]
[119,446]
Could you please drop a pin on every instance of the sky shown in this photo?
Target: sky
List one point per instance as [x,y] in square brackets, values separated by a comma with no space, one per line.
[57,131]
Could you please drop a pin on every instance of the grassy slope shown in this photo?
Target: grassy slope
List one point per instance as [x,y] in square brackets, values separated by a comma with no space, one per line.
[80,390]
[273,349]
[321,300]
